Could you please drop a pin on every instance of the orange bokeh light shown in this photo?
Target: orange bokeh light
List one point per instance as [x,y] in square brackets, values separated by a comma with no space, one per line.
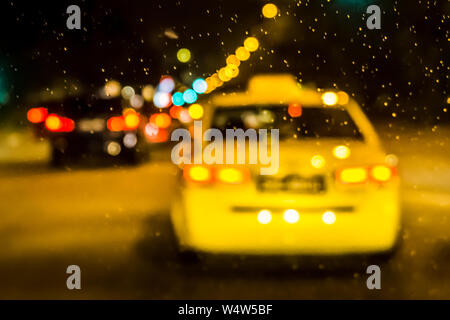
[132,121]
[161,120]
[37,115]
[56,123]
[174,111]
[295,110]
[53,122]
[115,124]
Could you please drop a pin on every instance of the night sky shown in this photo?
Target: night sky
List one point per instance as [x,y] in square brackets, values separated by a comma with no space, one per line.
[400,70]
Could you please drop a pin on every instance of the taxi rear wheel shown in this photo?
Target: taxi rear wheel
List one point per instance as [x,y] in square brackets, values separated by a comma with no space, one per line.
[187,256]
[184,255]
[160,243]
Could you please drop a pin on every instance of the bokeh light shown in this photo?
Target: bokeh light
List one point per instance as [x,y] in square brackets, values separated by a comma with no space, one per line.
[137,101]
[132,121]
[190,96]
[230,175]
[113,148]
[242,53]
[199,173]
[196,111]
[174,111]
[161,120]
[115,124]
[147,92]
[130,140]
[295,110]
[162,99]
[318,161]
[53,123]
[215,78]
[127,92]
[200,85]
[329,98]
[184,55]
[329,217]
[269,10]
[264,217]
[184,116]
[166,84]
[223,75]
[209,85]
[353,175]
[251,44]
[342,98]
[112,88]
[232,59]
[231,71]
[37,115]
[151,130]
[391,159]
[177,99]
[341,152]
[381,173]
[291,216]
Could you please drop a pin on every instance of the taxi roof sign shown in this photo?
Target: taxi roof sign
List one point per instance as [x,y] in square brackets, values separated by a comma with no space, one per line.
[271,88]
[267,83]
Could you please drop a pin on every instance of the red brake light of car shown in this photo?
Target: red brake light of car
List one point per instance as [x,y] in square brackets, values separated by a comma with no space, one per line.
[352,175]
[232,175]
[198,173]
[37,115]
[382,173]
[129,121]
[361,175]
[55,123]
[115,124]
[207,174]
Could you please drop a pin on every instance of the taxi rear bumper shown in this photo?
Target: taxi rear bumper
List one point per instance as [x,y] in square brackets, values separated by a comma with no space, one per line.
[208,221]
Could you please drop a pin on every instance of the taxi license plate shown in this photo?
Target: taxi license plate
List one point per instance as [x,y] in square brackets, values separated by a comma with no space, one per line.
[292,183]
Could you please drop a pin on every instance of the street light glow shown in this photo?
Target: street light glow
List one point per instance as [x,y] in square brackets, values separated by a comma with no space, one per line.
[251,44]
[195,111]
[184,55]
[242,53]
[270,10]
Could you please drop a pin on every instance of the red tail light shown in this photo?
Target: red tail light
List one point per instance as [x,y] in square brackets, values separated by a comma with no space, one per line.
[37,115]
[352,175]
[208,174]
[382,173]
[199,174]
[129,121]
[161,120]
[115,124]
[364,174]
[55,123]
[232,175]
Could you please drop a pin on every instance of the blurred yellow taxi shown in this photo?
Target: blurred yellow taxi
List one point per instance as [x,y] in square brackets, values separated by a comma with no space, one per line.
[336,191]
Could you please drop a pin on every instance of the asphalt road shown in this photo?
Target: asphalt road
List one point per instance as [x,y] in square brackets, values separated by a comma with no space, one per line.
[112,222]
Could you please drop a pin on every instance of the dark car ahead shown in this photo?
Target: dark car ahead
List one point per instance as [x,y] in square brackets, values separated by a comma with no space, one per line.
[90,129]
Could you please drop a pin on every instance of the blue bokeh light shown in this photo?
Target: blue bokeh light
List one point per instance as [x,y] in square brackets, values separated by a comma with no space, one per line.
[200,85]
[177,99]
[190,96]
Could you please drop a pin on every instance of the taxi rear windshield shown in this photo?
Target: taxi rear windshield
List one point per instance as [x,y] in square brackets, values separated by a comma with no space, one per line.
[313,122]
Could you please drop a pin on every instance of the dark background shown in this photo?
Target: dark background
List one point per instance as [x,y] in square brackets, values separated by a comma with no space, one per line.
[401,69]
